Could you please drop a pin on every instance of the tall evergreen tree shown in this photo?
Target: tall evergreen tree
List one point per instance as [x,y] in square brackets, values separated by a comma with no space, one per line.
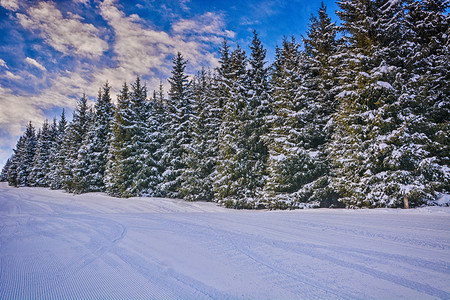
[95,146]
[5,169]
[41,162]
[142,156]
[26,155]
[180,110]
[127,173]
[241,163]
[117,176]
[201,155]
[156,139]
[70,171]
[56,153]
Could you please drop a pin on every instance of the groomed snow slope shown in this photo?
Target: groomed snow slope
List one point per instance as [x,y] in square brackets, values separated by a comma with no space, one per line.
[54,245]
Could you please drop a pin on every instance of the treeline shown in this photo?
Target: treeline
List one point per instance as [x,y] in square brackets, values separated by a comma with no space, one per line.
[357,117]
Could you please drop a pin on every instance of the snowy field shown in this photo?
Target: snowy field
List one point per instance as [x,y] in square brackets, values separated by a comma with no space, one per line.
[54,245]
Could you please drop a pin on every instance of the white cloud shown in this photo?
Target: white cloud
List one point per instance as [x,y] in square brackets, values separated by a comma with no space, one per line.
[10,4]
[3,64]
[184,4]
[67,35]
[12,76]
[207,24]
[35,63]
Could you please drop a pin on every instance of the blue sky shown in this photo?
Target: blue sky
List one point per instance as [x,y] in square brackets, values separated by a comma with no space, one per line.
[53,51]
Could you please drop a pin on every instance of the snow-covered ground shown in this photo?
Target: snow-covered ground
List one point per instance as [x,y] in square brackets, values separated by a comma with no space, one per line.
[56,245]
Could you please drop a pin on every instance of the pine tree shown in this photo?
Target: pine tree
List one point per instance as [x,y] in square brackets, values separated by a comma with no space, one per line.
[241,164]
[71,172]
[117,180]
[26,155]
[11,174]
[41,162]
[156,139]
[21,162]
[96,144]
[201,155]
[285,162]
[127,172]
[320,72]
[142,162]
[5,169]
[180,110]
[56,153]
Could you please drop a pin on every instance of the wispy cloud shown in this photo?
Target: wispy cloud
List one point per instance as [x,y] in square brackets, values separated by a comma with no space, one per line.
[67,35]
[12,76]
[35,63]
[3,64]
[204,25]
[10,4]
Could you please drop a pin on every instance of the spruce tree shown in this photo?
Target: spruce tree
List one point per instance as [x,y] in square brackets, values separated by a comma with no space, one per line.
[239,166]
[26,155]
[156,139]
[180,110]
[285,164]
[96,144]
[4,173]
[141,161]
[71,172]
[201,155]
[56,153]
[41,162]
[117,177]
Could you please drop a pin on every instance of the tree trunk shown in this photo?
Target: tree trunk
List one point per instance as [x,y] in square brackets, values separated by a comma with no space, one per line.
[405,202]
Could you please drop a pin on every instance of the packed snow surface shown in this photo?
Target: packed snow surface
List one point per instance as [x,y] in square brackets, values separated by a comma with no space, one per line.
[54,245]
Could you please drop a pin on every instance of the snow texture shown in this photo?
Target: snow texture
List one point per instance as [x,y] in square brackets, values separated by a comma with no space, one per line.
[54,245]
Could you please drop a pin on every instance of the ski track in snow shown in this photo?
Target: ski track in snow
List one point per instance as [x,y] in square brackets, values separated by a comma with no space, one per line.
[54,245]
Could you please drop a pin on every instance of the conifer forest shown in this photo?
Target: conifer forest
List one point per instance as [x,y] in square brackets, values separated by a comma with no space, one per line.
[349,115]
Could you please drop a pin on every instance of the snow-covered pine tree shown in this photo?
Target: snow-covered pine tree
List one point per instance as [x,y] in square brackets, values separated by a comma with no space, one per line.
[96,144]
[201,155]
[362,109]
[260,109]
[141,160]
[425,104]
[26,155]
[156,139]
[20,164]
[127,173]
[238,179]
[70,170]
[56,153]
[117,177]
[284,163]
[11,173]
[180,109]
[296,165]
[318,65]
[41,162]
[4,173]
